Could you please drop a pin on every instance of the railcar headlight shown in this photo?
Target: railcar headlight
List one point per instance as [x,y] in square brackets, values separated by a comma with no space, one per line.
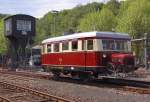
[104,55]
[72,68]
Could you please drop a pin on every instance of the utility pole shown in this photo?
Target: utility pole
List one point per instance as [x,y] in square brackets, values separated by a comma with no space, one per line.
[55,13]
[145,39]
[145,50]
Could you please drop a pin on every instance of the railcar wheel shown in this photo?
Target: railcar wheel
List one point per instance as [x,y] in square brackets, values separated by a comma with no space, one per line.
[95,75]
[65,72]
[56,74]
[74,75]
[112,69]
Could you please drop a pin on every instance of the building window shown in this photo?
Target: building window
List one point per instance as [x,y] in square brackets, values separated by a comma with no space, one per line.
[56,47]
[48,47]
[65,45]
[74,45]
[89,44]
[23,25]
[8,25]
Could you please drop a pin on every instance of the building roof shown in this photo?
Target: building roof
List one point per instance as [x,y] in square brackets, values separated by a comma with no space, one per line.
[10,16]
[37,47]
[113,35]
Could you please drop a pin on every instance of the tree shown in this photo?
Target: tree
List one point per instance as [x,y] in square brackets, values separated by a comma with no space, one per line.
[40,33]
[70,19]
[3,42]
[135,20]
[114,6]
[66,21]
[103,20]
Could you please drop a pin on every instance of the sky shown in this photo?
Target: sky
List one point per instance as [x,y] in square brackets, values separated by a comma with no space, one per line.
[38,8]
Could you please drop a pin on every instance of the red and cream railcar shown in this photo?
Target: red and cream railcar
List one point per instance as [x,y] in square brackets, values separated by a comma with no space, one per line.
[88,52]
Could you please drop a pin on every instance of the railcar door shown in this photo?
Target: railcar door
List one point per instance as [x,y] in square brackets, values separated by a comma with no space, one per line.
[105,59]
[90,55]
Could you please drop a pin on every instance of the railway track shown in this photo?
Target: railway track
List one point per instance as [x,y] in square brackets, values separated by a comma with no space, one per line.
[44,96]
[141,87]
[3,99]
[15,95]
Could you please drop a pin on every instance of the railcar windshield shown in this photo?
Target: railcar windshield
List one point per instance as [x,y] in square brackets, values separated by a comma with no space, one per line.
[116,45]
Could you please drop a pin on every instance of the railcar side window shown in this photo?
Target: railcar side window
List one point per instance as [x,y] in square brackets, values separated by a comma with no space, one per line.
[56,47]
[65,45]
[48,47]
[74,45]
[89,44]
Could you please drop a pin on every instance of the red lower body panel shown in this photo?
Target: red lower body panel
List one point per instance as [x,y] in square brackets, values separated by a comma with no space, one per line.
[83,59]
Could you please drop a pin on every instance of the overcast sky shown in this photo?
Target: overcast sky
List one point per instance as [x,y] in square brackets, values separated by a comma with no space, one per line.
[38,8]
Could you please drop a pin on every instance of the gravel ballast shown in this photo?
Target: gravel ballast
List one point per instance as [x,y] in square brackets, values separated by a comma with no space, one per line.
[77,92]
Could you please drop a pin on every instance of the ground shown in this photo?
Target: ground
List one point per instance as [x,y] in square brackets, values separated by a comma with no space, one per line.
[77,92]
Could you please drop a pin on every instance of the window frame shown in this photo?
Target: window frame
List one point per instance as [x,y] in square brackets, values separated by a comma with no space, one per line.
[44,49]
[83,45]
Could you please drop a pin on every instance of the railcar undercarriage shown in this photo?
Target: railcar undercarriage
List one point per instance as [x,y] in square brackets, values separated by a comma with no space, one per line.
[82,73]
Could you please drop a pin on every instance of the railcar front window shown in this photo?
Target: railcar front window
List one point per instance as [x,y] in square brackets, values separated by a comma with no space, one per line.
[120,45]
[108,44]
[89,44]
[117,45]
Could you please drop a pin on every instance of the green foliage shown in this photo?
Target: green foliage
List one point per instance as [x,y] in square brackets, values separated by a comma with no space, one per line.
[103,20]
[130,16]
[3,42]
[136,19]
[114,6]
[66,21]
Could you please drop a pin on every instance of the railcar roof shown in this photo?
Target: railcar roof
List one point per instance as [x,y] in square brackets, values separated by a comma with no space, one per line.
[89,34]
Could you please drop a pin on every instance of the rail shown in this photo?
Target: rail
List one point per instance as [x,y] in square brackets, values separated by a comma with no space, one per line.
[136,89]
[141,87]
[31,91]
[3,99]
